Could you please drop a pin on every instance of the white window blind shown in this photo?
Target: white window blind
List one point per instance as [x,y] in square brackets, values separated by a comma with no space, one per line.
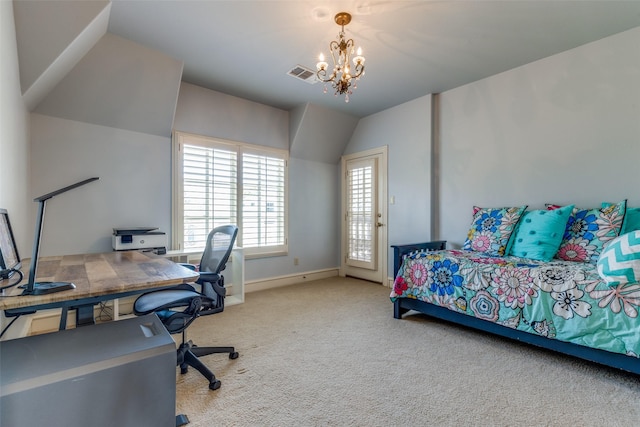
[222,182]
[210,192]
[263,200]
[360,213]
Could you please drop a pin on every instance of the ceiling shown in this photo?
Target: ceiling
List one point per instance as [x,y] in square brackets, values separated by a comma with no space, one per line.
[412,48]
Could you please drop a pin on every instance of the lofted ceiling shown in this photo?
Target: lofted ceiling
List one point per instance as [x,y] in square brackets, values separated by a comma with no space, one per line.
[412,48]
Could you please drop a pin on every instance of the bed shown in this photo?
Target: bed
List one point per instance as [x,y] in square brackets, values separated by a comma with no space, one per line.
[558,305]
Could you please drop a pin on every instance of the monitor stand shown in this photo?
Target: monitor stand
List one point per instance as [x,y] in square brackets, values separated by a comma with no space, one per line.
[42,288]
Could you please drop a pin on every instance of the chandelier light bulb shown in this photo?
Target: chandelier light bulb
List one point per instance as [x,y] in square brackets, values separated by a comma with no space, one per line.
[322,65]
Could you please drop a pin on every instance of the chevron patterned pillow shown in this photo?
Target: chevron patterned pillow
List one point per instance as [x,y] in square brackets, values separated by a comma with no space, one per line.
[619,262]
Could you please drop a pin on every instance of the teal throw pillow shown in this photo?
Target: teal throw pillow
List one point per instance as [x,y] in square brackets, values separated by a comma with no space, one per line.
[631,220]
[491,229]
[539,233]
[619,263]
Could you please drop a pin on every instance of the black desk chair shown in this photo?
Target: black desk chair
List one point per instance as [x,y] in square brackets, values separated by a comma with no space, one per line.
[178,307]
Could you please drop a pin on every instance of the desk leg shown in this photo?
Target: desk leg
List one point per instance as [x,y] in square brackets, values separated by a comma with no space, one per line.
[63,318]
[84,315]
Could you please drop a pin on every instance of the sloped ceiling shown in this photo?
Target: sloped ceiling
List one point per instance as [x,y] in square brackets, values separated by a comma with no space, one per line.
[412,47]
[119,84]
[72,68]
[52,37]
[319,134]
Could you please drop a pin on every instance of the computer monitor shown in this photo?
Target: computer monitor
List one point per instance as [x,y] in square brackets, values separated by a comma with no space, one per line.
[9,257]
[39,288]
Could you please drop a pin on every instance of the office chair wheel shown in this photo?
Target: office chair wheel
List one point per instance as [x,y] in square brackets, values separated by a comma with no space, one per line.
[215,384]
[234,355]
[184,370]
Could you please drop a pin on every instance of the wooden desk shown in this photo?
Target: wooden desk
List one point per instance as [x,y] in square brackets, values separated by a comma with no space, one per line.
[98,278]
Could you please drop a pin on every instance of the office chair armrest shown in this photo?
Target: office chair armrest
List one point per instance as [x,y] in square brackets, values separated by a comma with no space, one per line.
[208,289]
[207,276]
[220,290]
[212,282]
[189,266]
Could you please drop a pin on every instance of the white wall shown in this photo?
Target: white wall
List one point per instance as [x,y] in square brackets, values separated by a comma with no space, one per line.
[14,135]
[406,130]
[565,129]
[134,187]
[14,149]
[135,180]
[207,112]
[314,222]
[313,186]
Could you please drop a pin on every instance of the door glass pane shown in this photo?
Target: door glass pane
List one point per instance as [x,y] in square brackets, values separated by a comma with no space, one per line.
[361,212]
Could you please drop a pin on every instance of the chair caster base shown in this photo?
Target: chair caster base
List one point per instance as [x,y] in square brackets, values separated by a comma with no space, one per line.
[181,420]
[234,355]
[215,384]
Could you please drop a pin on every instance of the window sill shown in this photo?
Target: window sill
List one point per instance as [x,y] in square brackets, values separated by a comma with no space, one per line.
[265,254]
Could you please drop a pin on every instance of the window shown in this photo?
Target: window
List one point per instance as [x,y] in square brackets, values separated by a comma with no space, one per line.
[219,182]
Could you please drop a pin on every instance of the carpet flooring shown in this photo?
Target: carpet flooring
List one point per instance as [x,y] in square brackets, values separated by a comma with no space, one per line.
[330,353]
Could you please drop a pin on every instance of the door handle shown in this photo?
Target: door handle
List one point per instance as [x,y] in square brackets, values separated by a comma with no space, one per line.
[379,224]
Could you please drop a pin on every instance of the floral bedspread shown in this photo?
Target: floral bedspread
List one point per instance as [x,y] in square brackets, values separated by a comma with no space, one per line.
[564,300]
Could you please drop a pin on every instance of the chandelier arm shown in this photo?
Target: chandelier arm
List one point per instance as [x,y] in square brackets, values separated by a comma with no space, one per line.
[334,48]
[350,44]
[322,76]
[359,69]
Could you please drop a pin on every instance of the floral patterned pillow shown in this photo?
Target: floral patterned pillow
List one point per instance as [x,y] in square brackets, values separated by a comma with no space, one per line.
[491,229]
[588,232]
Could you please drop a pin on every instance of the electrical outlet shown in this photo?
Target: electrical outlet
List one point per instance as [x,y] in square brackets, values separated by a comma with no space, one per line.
[296,261]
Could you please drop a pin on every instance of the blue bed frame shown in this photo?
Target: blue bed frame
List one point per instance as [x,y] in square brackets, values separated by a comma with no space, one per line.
[403,305]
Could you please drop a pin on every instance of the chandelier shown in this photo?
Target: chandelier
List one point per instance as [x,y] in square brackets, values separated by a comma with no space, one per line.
[343,76]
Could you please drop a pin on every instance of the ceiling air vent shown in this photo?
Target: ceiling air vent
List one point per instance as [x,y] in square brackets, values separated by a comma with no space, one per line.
[304,74]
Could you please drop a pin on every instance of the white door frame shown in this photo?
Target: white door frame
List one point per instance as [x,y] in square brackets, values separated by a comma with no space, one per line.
[380,273]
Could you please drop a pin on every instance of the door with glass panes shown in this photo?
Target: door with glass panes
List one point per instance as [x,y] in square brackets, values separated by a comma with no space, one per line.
[364,231]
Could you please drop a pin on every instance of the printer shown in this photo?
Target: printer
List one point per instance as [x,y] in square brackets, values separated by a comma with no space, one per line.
[139,238]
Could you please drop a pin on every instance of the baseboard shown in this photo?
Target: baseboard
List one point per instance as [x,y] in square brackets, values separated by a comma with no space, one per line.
[390,281]
[276,282]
